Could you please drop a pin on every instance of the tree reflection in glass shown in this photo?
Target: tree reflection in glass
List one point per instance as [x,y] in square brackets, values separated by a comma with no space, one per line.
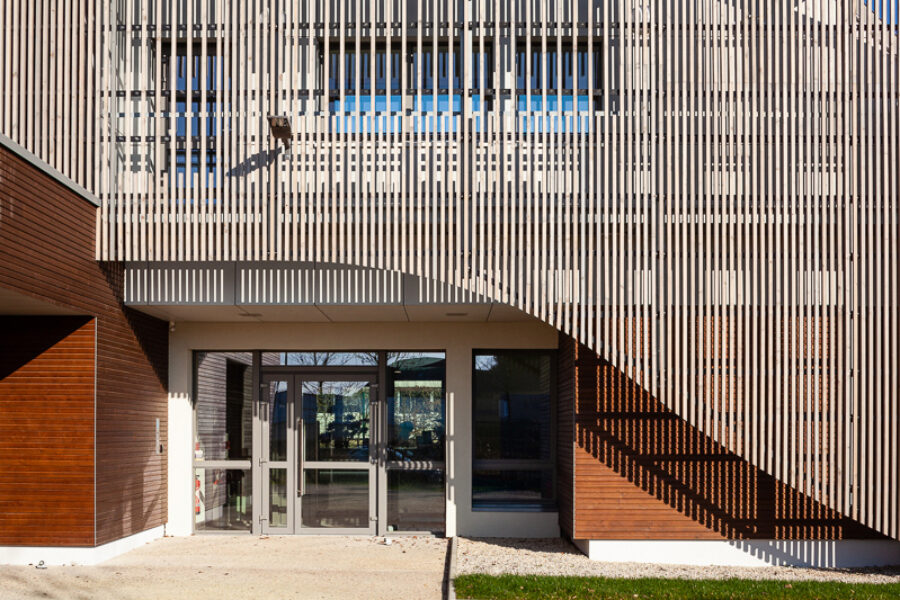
[415,398]
[336,420]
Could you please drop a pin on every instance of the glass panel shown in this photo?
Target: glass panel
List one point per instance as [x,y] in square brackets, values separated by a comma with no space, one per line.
[336,420]
[513,466]
[336,498]
[525,490]
[415,397]
[278,498]
[278,415]
[320,359]
[223,500]
[223,397]
[416,501]
[513,405]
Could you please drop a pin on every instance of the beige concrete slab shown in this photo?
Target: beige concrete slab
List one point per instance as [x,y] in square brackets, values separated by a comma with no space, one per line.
[247,568]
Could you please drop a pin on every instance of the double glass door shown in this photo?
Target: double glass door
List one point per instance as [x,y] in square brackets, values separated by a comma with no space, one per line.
[352,449]
[316,442]
[319,455]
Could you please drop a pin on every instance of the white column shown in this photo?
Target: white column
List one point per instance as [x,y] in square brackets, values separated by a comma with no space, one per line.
[459,433]
[180,438]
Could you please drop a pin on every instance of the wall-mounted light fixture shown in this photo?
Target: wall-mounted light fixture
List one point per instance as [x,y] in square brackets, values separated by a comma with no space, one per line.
[281,129]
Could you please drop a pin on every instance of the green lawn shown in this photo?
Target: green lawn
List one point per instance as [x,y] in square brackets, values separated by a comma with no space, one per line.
[507,587]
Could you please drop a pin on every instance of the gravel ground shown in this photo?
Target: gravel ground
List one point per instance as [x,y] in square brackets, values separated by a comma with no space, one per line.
[246,568]
[556,556]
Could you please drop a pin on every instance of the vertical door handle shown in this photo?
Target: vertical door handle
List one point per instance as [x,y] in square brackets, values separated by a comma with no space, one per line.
[301,450]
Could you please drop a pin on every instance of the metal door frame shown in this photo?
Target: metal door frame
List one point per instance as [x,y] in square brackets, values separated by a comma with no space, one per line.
[385,465]
[378,465]
[371,465]
[295,377]
[262,462]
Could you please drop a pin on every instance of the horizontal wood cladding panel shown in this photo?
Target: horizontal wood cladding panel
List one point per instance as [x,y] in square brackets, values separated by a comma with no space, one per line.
[643,472]
[131,486]
[47,243]
[46,446]
[132,481]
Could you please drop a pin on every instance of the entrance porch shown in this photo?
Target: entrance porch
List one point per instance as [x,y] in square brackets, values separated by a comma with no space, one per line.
[363,428]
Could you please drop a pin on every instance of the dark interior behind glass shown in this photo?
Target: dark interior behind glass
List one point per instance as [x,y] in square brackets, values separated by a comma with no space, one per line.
[513,430]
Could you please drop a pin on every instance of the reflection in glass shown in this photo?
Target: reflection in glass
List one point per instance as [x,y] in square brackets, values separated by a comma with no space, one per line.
[416,500]
[336,498]
[512,405]
[223,500]
[336,420]
[223,396]
[415,398]
[278,415]
[513,445]
[278,499]
[508,489]
[321,359]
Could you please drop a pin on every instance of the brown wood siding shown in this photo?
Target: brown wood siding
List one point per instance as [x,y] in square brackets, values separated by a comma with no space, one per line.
[643,472]
[565,419]
[47,369]
[132,486]
[47,247]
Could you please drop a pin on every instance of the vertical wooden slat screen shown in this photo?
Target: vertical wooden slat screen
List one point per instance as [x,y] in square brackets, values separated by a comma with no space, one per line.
[703,192]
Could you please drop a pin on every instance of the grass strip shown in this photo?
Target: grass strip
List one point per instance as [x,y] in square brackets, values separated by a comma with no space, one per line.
[526,587]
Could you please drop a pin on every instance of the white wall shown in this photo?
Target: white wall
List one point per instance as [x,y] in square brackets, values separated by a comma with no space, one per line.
[62,555]
[747,553]
[457,339]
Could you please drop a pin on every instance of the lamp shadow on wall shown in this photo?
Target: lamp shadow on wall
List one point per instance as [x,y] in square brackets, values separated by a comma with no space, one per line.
[254,162]
[625,429]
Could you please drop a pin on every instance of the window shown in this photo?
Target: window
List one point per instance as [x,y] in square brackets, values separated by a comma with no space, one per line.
[194,169]
[415,441]
[550,74]
[513,430]
[348,81]
[415,406]
[223,440]
[423,69]
[320,359]
[482,67]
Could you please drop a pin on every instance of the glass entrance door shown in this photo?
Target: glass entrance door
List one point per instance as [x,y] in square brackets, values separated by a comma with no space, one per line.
[278,453]
[318,453]
[337,459]
[413,492]
[339,453]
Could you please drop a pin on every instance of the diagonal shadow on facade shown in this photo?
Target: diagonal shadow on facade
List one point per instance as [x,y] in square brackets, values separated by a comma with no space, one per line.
[708,491]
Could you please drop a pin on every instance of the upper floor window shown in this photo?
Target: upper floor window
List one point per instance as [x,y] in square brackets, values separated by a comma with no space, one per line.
[568,68]
[199,71]
[482,68]
[367,63]
[429,70]
[193,78]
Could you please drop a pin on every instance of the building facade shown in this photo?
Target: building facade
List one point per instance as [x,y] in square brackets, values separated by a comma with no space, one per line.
[620,271]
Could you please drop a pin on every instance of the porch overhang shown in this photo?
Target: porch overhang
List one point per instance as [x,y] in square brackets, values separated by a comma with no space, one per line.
[300,291]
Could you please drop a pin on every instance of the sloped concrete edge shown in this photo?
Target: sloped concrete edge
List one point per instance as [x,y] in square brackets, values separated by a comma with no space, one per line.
[450,571]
